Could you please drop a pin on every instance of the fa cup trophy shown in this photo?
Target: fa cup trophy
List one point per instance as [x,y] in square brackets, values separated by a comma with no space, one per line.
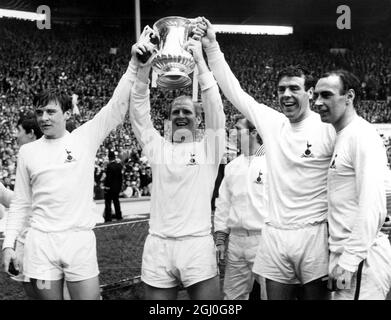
[173,63]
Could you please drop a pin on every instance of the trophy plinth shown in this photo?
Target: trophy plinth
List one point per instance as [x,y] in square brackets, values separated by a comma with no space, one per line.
[174,80]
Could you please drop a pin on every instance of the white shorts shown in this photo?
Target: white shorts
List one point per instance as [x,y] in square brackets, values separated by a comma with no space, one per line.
[169,262]
[238,277]
[293,256]
[57,255]
[375,276]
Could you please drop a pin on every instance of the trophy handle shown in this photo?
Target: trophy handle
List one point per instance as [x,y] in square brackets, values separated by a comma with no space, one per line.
[193,24]
[155,39]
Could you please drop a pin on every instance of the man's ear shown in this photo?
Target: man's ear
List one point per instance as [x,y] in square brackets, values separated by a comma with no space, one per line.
[67,114]
[350,95]
[253,133]
[310,93]
[198,120]
[31,134]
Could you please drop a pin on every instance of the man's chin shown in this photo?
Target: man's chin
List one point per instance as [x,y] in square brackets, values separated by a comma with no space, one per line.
[294,116]
[182,133]
[49,135]
[181,129]
[290,115]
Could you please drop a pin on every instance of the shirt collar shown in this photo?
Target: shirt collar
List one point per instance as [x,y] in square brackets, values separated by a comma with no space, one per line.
[260,151]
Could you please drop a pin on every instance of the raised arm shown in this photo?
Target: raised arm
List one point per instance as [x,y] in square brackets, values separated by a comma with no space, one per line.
[230,86]
[113,114]
[140,107]
[211,103]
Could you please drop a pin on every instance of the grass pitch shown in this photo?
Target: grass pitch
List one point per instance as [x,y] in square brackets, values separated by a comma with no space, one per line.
[119,248]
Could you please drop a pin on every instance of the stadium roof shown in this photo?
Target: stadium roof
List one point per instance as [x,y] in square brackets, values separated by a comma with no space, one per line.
[285,12]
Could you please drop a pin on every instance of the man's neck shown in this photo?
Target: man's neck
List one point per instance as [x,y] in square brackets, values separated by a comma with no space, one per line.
[59,136]
[347,118]
[305,115]
[185,138]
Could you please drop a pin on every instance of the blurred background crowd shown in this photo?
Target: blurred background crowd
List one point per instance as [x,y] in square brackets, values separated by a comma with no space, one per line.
[87,62]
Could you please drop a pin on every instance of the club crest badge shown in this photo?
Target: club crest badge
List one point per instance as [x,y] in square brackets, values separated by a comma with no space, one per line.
[259,179]
[69,157]
[192,161]
[308,153]
[332,165]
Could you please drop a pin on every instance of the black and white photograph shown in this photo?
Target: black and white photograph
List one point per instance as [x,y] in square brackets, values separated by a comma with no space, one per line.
[216,152]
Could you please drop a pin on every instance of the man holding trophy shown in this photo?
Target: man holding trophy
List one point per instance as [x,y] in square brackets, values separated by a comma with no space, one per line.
[179,249]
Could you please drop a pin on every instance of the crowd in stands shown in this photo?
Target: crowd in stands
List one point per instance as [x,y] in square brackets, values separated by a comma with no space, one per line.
[88,61]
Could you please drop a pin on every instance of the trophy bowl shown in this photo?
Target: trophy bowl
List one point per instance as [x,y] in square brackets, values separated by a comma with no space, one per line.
[173,63]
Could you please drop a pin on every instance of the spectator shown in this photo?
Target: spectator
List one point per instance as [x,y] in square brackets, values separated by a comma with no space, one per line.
[113,184]
[128,192]
[145,192]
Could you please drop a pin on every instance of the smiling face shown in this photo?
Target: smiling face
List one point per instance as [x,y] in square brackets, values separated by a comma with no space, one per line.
[52,120]
[293,98]
[184,118]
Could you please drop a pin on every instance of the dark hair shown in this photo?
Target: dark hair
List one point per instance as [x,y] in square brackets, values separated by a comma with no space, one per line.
[348,81]
[47,96]
[29,124]
[181,99]
[298,71]
[249,126]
